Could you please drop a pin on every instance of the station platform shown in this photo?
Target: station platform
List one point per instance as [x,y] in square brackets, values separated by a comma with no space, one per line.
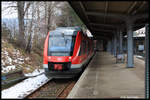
[103,78]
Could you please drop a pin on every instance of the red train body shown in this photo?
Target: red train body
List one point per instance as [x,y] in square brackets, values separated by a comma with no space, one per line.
[66,52]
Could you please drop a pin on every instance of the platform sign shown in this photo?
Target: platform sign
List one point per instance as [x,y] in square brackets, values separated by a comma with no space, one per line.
[140,47]
[3,77]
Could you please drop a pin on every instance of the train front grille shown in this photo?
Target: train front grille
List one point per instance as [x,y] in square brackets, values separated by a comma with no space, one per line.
[52,66]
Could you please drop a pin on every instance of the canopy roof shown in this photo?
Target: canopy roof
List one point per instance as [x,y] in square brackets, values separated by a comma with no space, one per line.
[103,18]
[65,31]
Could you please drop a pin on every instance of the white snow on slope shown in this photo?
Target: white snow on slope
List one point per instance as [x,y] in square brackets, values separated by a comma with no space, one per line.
[138,56]
[15,58]
[35,72]
[24,88]
[7,69]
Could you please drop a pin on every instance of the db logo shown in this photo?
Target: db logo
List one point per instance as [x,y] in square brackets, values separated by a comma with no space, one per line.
[59,59]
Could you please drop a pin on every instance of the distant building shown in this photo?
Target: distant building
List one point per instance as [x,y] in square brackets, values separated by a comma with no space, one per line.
[138,41]
[89,33]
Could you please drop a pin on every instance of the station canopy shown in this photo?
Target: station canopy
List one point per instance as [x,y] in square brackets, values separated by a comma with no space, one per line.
[104,18]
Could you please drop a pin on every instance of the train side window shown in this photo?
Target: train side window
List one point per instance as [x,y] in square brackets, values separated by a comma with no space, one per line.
[81,47]
[84,47]
[80,52]
[89,46]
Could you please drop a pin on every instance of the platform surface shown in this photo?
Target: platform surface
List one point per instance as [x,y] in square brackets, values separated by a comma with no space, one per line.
[103,78]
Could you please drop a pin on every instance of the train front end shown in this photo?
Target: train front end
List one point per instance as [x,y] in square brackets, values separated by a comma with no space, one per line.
[58,54]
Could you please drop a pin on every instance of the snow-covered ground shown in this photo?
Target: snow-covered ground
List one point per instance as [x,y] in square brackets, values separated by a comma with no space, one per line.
[8,68]
[25,87]
[35,72]
[138,56]
[12,58]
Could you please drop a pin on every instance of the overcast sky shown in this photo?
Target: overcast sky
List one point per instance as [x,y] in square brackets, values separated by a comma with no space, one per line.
[8,13]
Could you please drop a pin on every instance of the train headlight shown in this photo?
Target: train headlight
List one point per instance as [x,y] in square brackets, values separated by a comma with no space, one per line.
[69,58]
[45,65]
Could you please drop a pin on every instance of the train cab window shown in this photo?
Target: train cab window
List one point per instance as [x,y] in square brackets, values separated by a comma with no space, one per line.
[88,49]
[84,47]
[61,45]
[81,49]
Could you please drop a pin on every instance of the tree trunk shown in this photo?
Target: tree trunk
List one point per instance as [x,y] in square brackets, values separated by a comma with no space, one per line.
[29,42]
[21,40]
[46,17]
[49,17]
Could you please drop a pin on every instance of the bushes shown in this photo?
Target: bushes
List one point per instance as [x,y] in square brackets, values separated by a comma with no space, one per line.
[6,32]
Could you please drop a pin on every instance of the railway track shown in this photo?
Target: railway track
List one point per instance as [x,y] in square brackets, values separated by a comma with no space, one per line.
[54,88]
[27,95]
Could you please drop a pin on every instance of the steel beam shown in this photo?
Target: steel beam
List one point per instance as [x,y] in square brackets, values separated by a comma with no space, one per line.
[120,42]
[102,30]
[131,7]
[103,36]
[115,15]
[97,38]
[102,33]
[105,25]
[144,2]
[129,44]
[115,44]
[109,46]
[83,9]
[112,41]
[106,9]
[147,62]
[133,18]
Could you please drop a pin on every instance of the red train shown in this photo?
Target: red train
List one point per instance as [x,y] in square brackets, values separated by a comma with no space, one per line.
[66,52]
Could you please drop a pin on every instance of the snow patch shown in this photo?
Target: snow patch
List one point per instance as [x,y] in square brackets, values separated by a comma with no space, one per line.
[8,68]
[9,60]
[24,88]
[27,68]
[5,53]
[14,58]
[139,56]
[35,72]
[3,63]
[27,58]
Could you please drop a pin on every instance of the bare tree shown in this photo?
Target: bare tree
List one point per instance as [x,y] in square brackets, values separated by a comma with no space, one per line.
[21,13]
[29,42]
[36,19]
[50,12]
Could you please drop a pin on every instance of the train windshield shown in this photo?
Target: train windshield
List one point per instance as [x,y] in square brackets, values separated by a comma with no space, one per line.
[61,45]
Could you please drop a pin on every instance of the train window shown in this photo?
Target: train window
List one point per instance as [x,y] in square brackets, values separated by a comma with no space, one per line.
[89,47]
[84,47]
[61,45]
[81,49]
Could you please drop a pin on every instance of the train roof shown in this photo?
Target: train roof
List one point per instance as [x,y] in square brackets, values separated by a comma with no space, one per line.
[65,31]
[69,28]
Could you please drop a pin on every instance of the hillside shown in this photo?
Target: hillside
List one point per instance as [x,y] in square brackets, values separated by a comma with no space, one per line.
[13,57]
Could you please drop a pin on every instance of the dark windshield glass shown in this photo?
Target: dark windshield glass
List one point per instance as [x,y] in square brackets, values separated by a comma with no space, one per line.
[61,45]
